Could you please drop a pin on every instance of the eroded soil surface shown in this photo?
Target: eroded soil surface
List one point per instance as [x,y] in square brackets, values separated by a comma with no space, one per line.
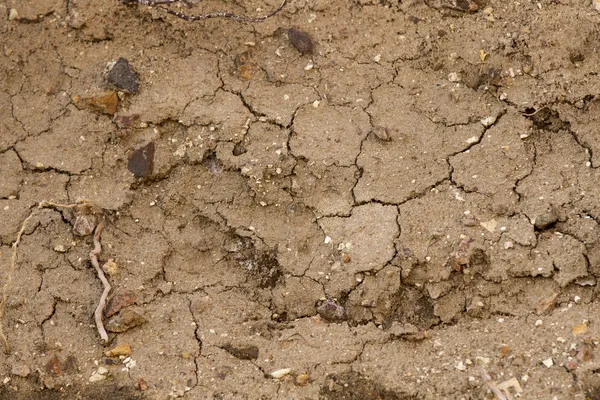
[386,209]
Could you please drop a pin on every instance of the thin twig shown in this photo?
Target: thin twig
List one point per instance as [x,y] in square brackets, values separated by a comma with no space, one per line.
[216,14]
[488,380]
[102,303]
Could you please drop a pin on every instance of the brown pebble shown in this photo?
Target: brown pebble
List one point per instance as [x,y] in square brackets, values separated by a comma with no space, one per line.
[141,384]
[53,366]
[504,351]
[105,102]
[124,321]
[301,41]
[571,365]
[141,161]
[121,299]
[119,350]
[302,379]
[84,224]
[126,121]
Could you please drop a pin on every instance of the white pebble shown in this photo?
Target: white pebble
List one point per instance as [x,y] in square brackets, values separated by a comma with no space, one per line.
[280,373]
[548,362]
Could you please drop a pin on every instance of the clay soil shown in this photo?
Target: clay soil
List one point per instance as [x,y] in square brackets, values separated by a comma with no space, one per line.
[395,209]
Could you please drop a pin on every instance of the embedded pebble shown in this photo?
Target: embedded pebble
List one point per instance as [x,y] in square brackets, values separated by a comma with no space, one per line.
[548,362]
[141,161]
[280,373]
[302,379]
[105,103]
[120,350]
[84,225]
[121,299]
[13,14]
[123,77]
[124,321]
[488,121]
[330,310]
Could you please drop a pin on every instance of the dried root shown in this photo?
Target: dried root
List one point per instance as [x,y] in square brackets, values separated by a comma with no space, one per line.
[216,14]
[102,303]
[81,208]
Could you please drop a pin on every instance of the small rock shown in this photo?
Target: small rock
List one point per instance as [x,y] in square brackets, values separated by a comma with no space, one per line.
[96,377]
[121,299]
[141,384]
[141,161]
[301,41]
[571,365]
[123,77]
[124,321]
[280,373]
[110,267]
[545,219]
[490,225]
[13,14]
[105,103]
[460,366]
[84,224]
[548,362]
[488,121]
[126,121]
[20,369]
[330,310]
[302,379]
[579,329]
[53,366]
[102,370]
[243,353]
[120,350]
[454,77]
[504,351]
[59,248]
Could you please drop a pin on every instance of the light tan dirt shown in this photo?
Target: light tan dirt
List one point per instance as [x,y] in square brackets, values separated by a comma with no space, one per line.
[414,201]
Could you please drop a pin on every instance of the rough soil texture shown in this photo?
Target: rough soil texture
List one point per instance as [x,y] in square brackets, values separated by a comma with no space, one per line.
[408,200]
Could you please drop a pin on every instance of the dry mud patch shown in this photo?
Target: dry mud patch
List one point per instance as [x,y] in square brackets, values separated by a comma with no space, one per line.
[386,215]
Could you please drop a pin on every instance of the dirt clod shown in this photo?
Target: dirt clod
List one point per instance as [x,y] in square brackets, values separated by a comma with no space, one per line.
[302,41]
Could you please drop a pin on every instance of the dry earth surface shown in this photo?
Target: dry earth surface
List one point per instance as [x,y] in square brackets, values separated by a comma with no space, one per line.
[405,200]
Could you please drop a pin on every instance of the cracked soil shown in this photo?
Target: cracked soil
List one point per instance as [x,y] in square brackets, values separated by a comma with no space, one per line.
[410,200]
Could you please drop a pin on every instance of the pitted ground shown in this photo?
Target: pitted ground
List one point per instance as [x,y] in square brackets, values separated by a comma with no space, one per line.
[368,178]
